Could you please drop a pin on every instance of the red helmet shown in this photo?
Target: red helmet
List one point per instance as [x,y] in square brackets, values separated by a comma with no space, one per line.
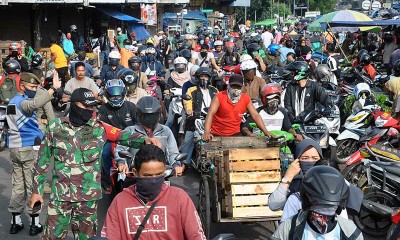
[15,47]
[197,48]
[271,90]
[235,35]
[229,44]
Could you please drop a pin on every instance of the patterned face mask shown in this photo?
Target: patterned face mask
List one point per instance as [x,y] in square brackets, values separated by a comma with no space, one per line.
[234,94]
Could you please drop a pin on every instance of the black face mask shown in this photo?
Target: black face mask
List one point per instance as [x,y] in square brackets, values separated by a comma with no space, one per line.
[79,116]
[150,120]
[203,54]
[14,54]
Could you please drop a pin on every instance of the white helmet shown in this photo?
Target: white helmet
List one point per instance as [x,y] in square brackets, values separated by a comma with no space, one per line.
[180,60]
[143,52]
[245,57]
[247,65]
[114,54]
[218,43]
[362,89]
[253,34]
[73,27]
[150,50]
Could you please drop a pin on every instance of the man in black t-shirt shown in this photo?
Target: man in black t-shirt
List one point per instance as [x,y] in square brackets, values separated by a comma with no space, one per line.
[164,47]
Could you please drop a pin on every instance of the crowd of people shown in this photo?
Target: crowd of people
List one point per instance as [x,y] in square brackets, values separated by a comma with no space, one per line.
[126,105]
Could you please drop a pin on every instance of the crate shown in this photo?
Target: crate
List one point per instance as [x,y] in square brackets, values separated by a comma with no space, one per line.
[250,176]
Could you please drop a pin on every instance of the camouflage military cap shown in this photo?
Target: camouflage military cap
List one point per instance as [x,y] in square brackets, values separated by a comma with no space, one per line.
[29,78]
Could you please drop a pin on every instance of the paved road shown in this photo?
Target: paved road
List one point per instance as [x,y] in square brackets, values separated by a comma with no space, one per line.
[189,183]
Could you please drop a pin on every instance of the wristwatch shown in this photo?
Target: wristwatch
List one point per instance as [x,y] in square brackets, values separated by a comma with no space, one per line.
[285,180]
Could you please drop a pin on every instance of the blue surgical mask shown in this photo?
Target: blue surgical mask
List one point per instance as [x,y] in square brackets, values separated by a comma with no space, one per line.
[30,93]
[306,165]
[150,58]
[143,59]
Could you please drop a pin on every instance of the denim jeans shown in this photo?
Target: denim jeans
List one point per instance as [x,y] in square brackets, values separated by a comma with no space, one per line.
[106,164]
[170,117]
[188,146]
[104,58]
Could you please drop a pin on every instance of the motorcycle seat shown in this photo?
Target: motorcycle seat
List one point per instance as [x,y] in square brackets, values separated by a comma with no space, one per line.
[393,169]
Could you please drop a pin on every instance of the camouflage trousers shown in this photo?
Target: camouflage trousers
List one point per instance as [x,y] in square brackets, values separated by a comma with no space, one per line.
[23,160]
[81,215]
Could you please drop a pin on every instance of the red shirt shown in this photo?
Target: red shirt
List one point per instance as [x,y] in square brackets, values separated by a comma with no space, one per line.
[369,69]
[226,121]
[13,76]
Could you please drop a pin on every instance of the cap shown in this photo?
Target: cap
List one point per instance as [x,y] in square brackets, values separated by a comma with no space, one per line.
[85,96]
[29,78]
[119,29]
[236,79]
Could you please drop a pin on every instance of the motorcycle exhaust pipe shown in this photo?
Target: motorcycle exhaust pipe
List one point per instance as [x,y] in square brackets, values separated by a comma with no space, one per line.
[377,208]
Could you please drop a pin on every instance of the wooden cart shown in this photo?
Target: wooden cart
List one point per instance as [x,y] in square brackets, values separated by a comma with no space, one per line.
[243,172]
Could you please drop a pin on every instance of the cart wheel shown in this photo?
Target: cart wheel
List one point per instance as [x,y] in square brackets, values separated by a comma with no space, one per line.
[204,206]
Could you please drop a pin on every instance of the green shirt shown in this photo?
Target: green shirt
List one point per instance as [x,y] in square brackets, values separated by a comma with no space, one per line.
[121,38]
[77,155]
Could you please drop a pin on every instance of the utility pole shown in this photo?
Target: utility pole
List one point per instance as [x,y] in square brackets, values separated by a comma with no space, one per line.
[245,14]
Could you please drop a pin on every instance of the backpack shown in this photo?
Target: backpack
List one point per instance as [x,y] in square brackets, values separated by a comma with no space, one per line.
[8,89]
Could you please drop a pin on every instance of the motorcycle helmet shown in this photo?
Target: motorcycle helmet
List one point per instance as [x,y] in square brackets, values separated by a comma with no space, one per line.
[128,76]
[73,27]
[362,90]
[388,37]
[12,67]
[185,53]
[218,43]
[186,45]
[396,68]
[115,92]
[271,97]
[256,39]
[150,42]
[360,53]
[37,60]
[180,64]
[229,47]
[322,73]
[245,57]
[235,35]
[299,68]
[203,82]
[323,185]
[114,58]
[16,48]
[134,62]
[273,49]
[253,49]
[150,54]
[150,50]
[148,111]
[248,65]
[231,39]
[365,60]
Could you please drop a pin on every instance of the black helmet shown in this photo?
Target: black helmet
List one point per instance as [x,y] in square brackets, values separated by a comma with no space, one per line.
[396,68]
[323,185]
[365,60]
[128,76]
[322,73]
[186,54]
[251,48]
[12,67]
[360,53]
[256,39]
[299,68]
[148,111]
[388,37]
[134,62]
[203,71]
[37,60]
[186,45]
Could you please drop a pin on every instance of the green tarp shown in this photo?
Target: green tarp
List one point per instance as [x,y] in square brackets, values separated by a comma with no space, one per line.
[266,22]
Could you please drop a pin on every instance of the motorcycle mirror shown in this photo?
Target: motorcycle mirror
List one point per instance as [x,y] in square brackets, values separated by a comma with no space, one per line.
[388,104]
[225,236]
[186,97]
[125,154]
[181,157]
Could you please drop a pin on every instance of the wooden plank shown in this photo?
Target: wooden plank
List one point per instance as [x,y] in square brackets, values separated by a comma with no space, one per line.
[249,212]
[241,166]
[254,177]
[249,200]
[249,154]
[225,143]
[259,188]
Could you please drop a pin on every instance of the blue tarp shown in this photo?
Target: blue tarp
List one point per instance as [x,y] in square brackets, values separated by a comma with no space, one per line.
[139,29]
[119,15]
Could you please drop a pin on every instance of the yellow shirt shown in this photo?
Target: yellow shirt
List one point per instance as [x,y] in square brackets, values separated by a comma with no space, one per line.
[61,60]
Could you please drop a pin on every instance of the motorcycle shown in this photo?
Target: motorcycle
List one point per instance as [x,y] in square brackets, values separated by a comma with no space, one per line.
[394,230]
[227,72]
[317,125]
[3,126]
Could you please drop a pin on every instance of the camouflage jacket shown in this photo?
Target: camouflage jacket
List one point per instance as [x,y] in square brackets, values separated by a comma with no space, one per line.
[77,155]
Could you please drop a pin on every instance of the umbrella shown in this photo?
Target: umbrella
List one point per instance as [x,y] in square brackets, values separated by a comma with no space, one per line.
[344,15]
[293,21]
[266,22]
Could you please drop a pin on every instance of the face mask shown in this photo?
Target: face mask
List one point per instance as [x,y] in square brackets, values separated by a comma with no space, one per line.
[272,106]
[321,223]
[150,120]
[79,116]
[14,54]
[201,42]
[30,93]
[150,58]
[128,47]
[148,188]
[306,165]
[180,69]
[68,37]
[234,94]
[143,58]
[203,83]
[203,54]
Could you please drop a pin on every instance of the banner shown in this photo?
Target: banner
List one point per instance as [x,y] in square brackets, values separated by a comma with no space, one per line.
[148,13]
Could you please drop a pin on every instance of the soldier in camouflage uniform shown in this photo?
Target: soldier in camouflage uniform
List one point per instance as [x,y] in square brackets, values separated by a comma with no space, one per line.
[23,138]
[76,143]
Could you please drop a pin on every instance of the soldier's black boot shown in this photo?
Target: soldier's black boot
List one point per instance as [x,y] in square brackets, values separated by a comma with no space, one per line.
[16,224]
[35,227]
